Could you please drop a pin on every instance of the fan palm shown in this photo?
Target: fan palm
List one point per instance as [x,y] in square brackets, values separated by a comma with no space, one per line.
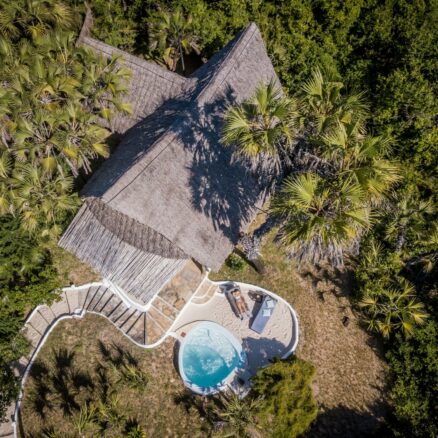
[171,34]
[392,309]
[408,221]
[41,202]
[321,219]
[85,420]
[362,159]
[325,106]
[54,96]
[261,130]
[237,413]
[33,17]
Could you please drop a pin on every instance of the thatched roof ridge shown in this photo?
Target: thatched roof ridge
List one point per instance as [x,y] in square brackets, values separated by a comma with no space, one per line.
[149,87]
[184,183]
[133,232]
[139,273]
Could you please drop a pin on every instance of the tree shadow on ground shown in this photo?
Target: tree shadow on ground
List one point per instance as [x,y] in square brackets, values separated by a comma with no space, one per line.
[58,383]
[116,355]
[261,351]
[344,422]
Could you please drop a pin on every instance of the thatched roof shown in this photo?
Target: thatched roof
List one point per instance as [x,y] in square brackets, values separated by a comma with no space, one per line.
[170,180]
[150,84]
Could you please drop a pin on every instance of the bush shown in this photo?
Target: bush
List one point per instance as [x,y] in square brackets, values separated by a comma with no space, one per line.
[414,366]
[287,406]
[235,262]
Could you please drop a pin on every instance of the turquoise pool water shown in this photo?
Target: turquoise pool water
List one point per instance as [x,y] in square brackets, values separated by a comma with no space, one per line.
[208,356]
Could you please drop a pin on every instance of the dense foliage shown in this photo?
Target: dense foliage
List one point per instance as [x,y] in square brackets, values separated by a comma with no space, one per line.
[415,367]
[287,407]
[387,48]
[52,95]
[27,278]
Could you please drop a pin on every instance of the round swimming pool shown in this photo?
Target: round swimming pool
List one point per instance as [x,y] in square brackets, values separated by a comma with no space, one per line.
[208,357]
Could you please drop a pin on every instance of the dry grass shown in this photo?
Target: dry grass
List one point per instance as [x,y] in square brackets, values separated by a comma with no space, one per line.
[350,378]
[156,408]
[349,384]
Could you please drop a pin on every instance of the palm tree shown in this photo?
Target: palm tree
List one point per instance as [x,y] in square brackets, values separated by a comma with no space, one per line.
[33,17]
[41,202]
[261,130]
[362,158]
[321,219]
[392,309]
[325,106]
[171,34]
[52,97]
[237,413]
[408,220]
[110,413]
[85,420]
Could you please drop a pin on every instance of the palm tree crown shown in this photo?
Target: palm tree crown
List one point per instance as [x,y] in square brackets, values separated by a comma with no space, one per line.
[172,35]
[261,129]
[325,106]
[391,309]
[321,219]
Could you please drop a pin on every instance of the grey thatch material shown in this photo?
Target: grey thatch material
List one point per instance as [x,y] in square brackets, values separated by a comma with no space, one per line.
[150,85]
[171,188]
[132,232]
[139,273]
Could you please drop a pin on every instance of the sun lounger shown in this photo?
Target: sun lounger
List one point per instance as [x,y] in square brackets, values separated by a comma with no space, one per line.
[232,301]
[264,314]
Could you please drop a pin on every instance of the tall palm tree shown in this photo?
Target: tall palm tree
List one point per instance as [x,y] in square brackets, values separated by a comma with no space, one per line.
[321,219]
[361,157]
[171,34]
[261,130]
[325,106]
[392,309]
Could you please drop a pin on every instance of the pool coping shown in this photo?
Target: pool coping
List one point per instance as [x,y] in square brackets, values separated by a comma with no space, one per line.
[225,382]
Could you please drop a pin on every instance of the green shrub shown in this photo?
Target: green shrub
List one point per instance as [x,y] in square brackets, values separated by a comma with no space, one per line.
[235,262]
[414,367]
[287,406]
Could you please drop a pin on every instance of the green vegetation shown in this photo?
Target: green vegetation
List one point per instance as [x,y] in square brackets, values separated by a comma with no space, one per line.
[26,279]
[261,129]
[171,37]
[287,407]
[235,262]
[280,403]
[52,95]
[414,364]
[367,160]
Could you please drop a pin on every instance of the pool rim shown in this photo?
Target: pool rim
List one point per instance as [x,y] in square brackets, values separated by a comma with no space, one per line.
[234,342]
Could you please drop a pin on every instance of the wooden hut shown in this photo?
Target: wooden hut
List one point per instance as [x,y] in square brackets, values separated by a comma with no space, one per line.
[171,191]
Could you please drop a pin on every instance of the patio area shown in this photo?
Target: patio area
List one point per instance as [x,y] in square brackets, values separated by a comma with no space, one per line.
[279,338]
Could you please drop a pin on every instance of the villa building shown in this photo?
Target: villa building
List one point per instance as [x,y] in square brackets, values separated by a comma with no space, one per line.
[171,192]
